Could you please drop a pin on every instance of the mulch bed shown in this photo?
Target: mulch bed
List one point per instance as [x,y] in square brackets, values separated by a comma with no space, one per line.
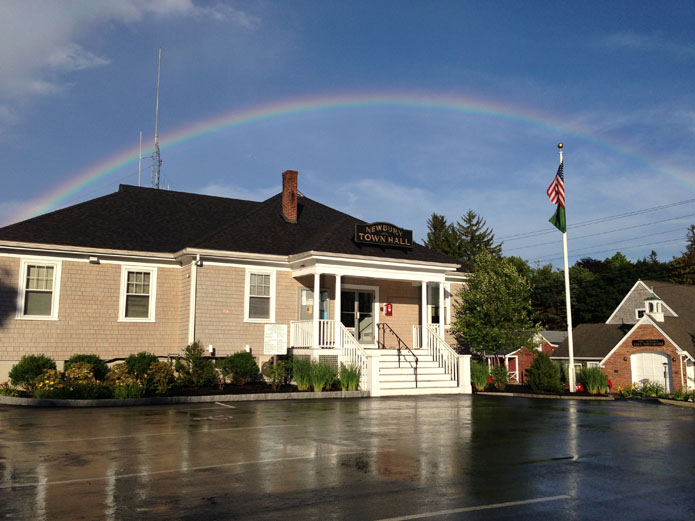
[524,389]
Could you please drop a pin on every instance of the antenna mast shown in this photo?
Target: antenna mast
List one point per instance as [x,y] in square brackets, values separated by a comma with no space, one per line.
[156,158]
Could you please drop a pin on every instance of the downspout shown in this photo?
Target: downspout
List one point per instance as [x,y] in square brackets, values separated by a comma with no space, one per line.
[680,357]
[192,301]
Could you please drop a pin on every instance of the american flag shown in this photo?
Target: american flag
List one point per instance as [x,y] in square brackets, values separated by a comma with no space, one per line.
[556,190]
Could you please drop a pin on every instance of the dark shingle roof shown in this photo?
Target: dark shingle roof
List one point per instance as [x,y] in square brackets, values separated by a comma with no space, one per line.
[150,220]
[318,228]
[136,219]
[592,340]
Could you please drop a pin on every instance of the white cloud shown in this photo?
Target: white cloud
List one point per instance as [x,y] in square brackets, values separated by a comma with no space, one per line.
[72,57]
[238,192]
[42,42]
[644,43]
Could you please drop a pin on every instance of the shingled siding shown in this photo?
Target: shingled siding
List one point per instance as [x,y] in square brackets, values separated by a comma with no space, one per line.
[220,309]
[88,315]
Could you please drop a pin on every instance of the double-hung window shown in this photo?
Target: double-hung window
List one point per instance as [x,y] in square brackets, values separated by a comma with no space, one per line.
[138,291]
[39,290]
[260,296]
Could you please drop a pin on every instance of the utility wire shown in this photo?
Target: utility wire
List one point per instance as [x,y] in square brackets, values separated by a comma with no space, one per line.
[604,251]
[617,244]
[602,233]
[596,221]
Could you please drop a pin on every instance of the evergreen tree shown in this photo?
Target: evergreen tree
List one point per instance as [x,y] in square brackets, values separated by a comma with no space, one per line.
[690,240]
[440,235]
[472,237]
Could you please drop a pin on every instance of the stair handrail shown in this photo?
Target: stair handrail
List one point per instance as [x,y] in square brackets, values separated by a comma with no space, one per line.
[352,352]
[400,345]
[442,352]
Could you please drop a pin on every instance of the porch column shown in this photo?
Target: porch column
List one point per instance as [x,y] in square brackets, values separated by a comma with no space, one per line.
[338,337]
[423,310]
[316,309]
[441,310]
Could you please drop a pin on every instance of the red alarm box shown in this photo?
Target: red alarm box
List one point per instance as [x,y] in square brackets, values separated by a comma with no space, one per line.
[388,309]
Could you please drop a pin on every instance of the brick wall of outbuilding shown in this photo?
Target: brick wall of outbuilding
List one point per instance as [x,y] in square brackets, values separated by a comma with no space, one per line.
[619,371]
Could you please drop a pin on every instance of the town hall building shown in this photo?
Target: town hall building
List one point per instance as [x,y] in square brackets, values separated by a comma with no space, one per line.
[154,270]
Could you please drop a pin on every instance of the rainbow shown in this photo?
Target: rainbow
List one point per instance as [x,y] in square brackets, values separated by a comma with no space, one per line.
[283,109]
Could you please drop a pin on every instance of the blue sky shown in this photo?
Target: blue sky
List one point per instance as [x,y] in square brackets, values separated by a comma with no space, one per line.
[612,80]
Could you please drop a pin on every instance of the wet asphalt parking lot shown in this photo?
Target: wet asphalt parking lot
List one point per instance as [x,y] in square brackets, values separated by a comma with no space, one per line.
[440,458]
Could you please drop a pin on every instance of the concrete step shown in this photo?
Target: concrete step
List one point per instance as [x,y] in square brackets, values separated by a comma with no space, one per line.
[419,391]
[409,370]
[424,384]
[394,364]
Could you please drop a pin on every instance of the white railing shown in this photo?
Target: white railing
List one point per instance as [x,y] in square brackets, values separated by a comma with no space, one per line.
[441,352]
[417,337]
[302,332]
[352,353]
[332,335]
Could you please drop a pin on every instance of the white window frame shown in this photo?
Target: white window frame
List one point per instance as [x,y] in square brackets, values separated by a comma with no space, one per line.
[247,295]
[21,293]
[637,315]
[153,293]
[593,364]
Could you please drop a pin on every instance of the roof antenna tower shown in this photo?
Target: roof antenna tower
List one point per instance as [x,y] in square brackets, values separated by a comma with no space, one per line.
[156,158]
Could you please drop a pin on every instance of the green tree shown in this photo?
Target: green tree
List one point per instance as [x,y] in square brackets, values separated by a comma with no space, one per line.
[690,240]
[472,237]
[440,235]
[494,315]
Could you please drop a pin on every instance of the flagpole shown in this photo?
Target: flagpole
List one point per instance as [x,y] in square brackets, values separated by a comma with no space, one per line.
[570,345]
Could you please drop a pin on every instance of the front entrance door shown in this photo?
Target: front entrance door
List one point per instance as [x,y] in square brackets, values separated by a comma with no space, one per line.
[357,314]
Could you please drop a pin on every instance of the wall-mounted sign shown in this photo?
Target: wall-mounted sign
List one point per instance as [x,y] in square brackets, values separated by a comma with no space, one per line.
[275,339]
[657,342]
[383,234]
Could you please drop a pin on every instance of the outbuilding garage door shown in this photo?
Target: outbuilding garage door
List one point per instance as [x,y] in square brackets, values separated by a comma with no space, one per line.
[655,367]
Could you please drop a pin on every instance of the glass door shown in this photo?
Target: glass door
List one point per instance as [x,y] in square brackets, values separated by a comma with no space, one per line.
[357,314]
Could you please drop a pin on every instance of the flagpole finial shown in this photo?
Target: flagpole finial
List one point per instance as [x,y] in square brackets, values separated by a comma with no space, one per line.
[560,145]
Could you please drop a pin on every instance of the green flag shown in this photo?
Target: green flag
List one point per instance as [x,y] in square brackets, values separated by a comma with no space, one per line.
[558,219]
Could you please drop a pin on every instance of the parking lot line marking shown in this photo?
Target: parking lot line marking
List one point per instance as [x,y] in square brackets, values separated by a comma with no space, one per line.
[173,433]
[225,405]
[187,469]
[480,507]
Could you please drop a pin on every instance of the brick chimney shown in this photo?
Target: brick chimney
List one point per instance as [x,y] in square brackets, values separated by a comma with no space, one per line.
[289,196]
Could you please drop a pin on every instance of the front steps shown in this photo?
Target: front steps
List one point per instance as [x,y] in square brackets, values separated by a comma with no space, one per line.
[398,381]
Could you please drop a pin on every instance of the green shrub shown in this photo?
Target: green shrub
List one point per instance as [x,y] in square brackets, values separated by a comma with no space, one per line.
[322,376]
[50,384]
[500,377]
[7,390]
[80,372]
[160,376]
[89,390]
[129,391]
[301,370]
[98,365]
[650,389]
[123,383]
[240,367]
[25,372]
[479,375]
[544,374]
[593,380]
[278,373]
[140,363]
[194,370]
[350,377]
